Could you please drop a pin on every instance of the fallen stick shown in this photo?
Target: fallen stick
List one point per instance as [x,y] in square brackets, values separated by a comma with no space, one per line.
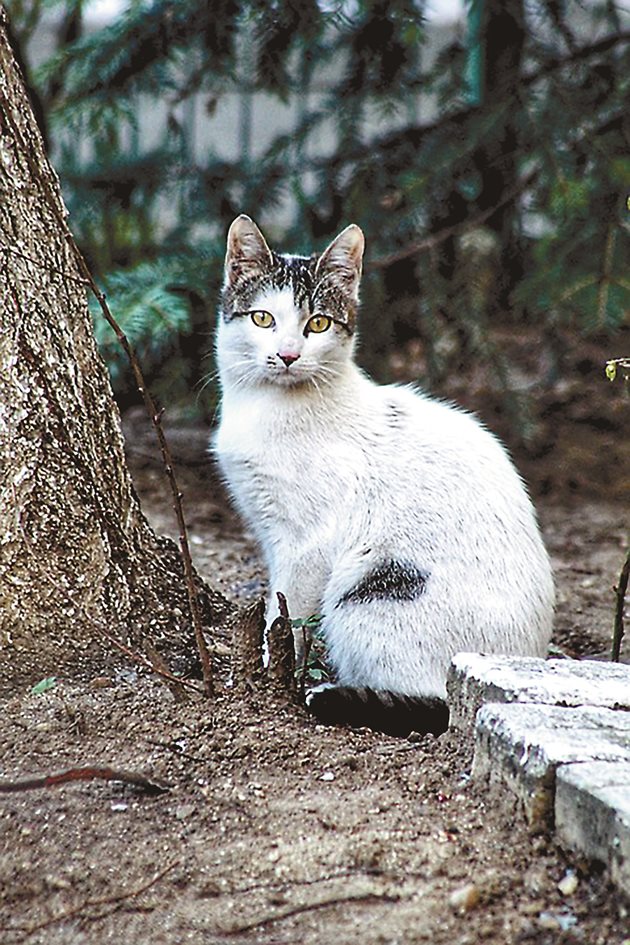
[308,907]
[86,773]
[77,911]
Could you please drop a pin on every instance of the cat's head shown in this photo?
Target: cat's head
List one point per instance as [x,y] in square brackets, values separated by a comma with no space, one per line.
[287,320]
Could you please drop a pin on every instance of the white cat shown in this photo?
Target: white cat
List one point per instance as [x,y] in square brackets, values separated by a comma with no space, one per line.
[398,518]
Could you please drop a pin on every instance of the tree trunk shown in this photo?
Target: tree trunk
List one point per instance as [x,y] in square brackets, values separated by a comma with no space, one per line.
[77,556]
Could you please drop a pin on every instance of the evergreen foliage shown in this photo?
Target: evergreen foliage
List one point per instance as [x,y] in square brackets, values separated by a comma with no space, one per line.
[508,204]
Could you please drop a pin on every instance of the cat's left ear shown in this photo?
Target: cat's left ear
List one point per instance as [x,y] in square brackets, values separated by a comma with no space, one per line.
[341,262]
[247,251]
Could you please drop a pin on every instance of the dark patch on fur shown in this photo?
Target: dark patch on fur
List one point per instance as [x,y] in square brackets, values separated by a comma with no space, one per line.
[388,712]
[395,415]
[393,580]
[321,296]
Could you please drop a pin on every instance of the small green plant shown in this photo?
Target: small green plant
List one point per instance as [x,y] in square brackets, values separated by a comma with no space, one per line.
[309,623]
[313,669]
[44,685]
[614,366]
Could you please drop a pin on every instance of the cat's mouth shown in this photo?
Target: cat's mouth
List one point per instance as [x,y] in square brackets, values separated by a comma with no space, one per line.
[290,377]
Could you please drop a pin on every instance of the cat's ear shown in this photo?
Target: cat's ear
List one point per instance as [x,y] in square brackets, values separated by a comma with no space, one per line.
[341,261]
[247,251]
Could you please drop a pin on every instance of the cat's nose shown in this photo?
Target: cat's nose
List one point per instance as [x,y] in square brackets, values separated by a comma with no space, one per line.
[288,359]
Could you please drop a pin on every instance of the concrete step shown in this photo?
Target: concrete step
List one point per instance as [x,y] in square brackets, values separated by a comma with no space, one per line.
[475,679]
[592,814]
[556,734]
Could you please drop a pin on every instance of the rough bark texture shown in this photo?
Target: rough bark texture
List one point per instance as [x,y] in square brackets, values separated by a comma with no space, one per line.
[76,554]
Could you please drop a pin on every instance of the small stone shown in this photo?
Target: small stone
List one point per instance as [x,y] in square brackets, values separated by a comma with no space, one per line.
[184,811]
[465,898]
[535,880]
[327,776]
[569,883]
[552,921]
[548,921]
[101,682]
[59,882]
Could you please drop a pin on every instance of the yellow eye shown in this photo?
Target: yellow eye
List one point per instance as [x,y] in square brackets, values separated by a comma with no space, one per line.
[263,319]
[317,324]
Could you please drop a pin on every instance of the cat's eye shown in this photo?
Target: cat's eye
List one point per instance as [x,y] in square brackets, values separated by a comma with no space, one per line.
[318,324]
[263,319]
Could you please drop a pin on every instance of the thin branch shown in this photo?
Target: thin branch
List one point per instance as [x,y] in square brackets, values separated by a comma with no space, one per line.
[415,134]
[77,911]
[84,773]
[156,419]
[430,242]
[154,414]
[10,250]
[159,670]
[620,595]
[160,666]
[308,907]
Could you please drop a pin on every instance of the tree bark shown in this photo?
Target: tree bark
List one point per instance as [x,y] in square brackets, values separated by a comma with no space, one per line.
[77,556]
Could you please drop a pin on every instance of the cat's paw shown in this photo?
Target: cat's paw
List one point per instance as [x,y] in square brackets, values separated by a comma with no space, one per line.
[388,712]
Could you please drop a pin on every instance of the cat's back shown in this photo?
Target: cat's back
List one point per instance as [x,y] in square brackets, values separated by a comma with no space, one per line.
[417,437]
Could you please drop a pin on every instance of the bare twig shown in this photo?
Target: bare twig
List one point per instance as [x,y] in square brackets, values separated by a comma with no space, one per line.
[156,419]
[416,134]
[154,414]
[141,661]
[620,595]
[77,911]
[306,652]
[12,251]
[84,773]
[430,242]
[159,666]
[309,907]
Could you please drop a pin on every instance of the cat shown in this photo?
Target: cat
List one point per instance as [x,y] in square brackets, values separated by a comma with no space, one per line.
[397,517]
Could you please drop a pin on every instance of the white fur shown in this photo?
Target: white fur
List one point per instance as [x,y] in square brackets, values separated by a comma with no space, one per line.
[332,487]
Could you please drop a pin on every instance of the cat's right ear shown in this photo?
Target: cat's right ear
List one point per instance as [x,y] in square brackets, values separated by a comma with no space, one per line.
[247,251]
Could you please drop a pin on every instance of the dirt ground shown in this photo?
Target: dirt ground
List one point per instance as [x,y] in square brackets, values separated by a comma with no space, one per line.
[275,829]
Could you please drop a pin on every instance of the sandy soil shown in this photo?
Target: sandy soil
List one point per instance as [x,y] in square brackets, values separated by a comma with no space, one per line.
[274,829]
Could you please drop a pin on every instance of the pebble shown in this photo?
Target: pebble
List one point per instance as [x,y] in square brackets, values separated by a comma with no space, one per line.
[465,898]
[327,776]
[569,883]
[552,921]
[184,811]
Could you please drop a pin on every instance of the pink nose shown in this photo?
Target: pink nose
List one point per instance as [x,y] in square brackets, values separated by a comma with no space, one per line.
[288,359]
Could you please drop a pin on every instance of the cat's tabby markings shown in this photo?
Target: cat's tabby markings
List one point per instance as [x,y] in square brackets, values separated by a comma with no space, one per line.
[398,518]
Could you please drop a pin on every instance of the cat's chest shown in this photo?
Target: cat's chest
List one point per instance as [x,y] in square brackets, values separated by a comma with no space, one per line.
[281,464]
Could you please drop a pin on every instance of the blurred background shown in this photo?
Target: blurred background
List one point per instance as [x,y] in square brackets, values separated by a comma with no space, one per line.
[482,146]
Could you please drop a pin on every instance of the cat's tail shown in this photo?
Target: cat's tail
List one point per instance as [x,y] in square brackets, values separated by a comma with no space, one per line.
[388,712]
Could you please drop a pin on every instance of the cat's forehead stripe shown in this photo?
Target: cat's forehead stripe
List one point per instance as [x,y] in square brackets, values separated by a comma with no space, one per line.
[298,274]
